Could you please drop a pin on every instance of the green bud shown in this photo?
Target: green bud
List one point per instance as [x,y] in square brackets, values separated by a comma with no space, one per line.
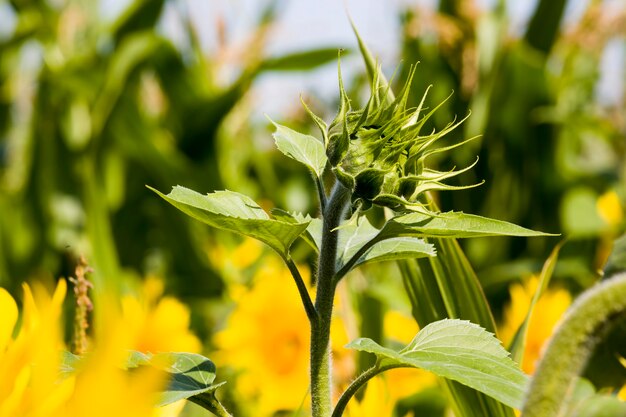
[369,183]
[377,151]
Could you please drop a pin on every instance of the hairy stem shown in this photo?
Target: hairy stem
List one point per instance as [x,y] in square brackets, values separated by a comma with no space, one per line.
[572,344]
[320,329]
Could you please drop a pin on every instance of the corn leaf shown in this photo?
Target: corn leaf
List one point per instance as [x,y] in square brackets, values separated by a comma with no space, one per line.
[234,212]
[461,351]
[301,61]
[518,345]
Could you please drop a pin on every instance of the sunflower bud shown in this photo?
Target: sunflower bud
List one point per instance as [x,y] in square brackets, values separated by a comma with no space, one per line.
[378,152]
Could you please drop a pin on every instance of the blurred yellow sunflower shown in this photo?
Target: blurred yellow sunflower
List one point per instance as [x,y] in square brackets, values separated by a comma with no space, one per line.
[30,363]
[160,323]
[266,338]
[610,208]
[376,401]
[549,309]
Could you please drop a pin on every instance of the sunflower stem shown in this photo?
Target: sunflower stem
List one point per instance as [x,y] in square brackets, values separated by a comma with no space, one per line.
[320,329]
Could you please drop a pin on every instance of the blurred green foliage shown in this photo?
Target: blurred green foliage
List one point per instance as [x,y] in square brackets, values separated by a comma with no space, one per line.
[92,111]
[549,147]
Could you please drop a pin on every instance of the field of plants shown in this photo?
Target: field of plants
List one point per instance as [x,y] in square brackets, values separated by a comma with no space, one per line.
[443,239]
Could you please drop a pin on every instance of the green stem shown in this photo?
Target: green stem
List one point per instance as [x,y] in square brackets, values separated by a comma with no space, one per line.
[302,290]
[572,344]
[320,329]
[356,385]
[320,192]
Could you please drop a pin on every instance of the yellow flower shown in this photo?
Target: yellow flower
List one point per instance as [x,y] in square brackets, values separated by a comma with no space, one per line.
[376,401]
[404,381]
[267,339]
[232,261]
[610,209]
[103,388]
[548,310]
[160,324]
[622,393]
[29,363]
[32,384]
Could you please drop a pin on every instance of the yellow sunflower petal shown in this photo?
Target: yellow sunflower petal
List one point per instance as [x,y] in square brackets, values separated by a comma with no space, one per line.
[8,312]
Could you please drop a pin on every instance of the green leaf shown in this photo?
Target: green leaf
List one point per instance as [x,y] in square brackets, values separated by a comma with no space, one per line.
[461,351]
[228,210]
[518,345]
[617,259]
[190,374]
[398,248]
[303,148]
[139,16]
[447,286]
[354,236]
[453,225]
[601,406]
[313,233]
[301,61]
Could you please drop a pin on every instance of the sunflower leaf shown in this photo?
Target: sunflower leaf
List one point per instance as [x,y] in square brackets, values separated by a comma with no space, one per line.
[460,351]
[305,149]
[228,210]
[452,225]
[354,236]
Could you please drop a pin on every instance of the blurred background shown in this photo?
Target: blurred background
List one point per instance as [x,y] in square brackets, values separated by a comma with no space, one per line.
[100,98]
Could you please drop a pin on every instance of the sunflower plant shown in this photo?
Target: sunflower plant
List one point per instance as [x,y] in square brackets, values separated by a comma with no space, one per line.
[379,155]
[373,156]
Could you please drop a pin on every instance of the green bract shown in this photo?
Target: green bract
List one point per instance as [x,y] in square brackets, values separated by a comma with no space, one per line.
[379,151]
